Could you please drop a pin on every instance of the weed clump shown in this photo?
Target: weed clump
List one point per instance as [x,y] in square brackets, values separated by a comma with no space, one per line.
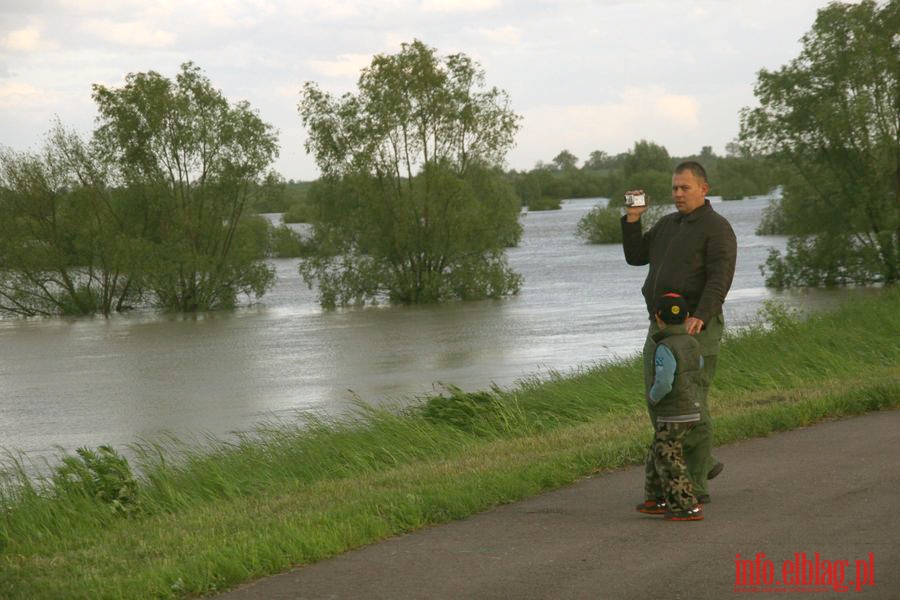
[102,474]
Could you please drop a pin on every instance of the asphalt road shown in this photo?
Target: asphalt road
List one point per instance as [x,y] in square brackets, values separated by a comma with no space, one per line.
[830,489]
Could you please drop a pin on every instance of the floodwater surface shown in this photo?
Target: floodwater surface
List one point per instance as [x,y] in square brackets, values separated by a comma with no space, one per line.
[91,381]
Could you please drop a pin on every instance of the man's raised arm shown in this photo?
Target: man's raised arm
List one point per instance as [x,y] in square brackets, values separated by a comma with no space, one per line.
[635,244]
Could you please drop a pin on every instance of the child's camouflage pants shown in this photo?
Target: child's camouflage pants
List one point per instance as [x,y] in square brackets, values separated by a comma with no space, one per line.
[667,475]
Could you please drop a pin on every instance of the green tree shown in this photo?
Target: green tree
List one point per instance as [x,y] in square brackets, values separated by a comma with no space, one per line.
[566,161]
[284,242]
[647,156]
[412,206]
[597,161]
[736,177]
[271,196]
[831,117]
[190,161]
[657,185]
[648,167]
[69,242]
[603,224]
[734,149]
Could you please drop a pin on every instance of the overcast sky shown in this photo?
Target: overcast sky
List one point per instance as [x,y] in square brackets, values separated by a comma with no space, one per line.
[584,75]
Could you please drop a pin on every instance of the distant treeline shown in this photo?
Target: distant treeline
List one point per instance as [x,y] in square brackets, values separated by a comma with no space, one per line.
[647,165]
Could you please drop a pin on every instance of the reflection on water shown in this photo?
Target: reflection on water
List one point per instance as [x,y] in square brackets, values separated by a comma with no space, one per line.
[72,382]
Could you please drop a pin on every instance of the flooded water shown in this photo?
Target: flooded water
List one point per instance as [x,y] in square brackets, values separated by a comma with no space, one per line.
[74,382]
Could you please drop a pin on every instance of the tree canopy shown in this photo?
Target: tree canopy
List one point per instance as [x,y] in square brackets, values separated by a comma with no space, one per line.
[412,206]
[150,211]
[190,159]
[565,161]
[830,119]
[647,156]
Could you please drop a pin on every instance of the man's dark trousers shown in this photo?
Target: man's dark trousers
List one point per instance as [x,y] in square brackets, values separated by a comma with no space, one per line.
[698,442]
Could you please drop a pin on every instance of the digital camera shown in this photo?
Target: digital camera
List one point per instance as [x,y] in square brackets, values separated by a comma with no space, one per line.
[635,198]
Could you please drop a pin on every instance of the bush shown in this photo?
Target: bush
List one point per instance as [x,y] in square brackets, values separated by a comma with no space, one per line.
[102,474]
[299,212]
[774,221]
[544,203]
[284,242]
[602,225]
[823,260]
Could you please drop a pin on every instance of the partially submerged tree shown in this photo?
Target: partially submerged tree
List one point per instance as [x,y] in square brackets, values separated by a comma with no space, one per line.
[189,160]
[411,206]
[603,224]
[648,167]
[831,117]
[68,244]
[151,211]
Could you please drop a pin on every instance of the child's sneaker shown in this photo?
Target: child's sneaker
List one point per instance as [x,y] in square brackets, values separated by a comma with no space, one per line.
[652,507]
[691,514]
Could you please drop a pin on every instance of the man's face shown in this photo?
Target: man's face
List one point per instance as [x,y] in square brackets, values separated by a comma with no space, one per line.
[688,192]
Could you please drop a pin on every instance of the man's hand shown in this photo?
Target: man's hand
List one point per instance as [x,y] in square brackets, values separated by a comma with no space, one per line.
[693,325]
[633,213]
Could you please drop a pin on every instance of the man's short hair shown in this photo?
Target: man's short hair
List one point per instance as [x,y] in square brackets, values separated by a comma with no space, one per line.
[694,167]
[672,308]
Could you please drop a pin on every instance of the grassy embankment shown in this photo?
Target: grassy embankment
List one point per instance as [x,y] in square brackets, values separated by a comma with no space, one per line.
[204,520]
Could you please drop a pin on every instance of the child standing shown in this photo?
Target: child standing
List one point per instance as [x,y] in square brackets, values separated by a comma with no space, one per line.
[674,401]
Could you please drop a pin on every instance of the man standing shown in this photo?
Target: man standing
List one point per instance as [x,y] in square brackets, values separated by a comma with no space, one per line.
[691,251]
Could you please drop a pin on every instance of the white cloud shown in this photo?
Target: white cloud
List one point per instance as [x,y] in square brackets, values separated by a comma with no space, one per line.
[330,10]
[394,40]
[288,90]
[678,109]
[638,113]
[346,65]
[234,14]
[459,6]
[634,107]
[100,6]
[26,40]
[508,35]
[129,33]
[24,96]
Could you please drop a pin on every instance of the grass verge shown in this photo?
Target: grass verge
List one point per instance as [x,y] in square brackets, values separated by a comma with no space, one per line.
[199,520]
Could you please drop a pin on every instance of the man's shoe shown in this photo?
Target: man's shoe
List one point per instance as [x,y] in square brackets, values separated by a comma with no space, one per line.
[691,514]
[652,507]
[704,499]
[714,472]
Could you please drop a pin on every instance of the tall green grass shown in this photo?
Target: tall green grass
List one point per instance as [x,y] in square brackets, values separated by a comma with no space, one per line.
[197,519]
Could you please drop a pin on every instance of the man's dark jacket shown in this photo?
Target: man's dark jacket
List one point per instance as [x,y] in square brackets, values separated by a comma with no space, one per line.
[692,254]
